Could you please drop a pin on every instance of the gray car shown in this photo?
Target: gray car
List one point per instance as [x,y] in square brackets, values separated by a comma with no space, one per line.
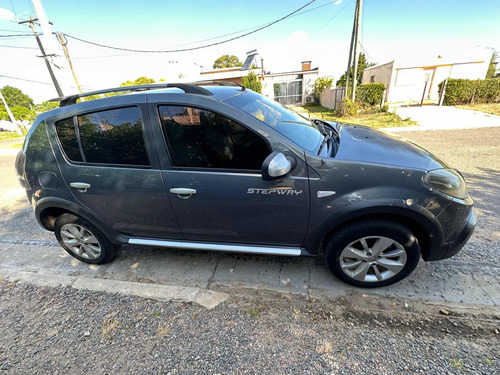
[221,168]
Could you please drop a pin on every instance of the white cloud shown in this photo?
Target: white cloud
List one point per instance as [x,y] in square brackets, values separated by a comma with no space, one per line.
[6,14]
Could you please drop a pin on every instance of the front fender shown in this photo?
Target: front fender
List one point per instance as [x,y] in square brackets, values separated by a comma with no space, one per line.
[379,208]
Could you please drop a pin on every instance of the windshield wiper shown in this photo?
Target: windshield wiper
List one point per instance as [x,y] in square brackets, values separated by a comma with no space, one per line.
[324,142]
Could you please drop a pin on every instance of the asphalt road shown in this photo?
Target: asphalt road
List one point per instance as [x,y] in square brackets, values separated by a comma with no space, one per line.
[280,315]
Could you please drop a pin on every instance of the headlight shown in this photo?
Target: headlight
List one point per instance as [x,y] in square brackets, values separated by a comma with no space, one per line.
[447,181]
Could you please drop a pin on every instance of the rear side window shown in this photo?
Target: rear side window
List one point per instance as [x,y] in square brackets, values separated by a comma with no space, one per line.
[108,137]
[203,139]
[67,136]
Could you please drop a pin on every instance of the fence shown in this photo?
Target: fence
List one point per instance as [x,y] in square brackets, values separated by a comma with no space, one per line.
[331,98]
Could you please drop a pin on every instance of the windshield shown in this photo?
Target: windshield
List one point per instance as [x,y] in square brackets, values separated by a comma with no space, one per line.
[285,121]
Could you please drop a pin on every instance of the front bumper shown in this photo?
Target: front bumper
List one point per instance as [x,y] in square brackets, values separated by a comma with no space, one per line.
[453,247]
[459,231]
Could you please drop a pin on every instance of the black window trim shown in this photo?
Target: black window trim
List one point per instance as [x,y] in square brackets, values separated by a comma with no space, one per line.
[80,146]
[207,169]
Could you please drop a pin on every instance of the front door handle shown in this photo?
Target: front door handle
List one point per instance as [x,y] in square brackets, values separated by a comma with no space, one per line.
[80,186]
[183,193]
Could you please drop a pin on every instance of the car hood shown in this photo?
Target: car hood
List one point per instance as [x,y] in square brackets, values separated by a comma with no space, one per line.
[360,143]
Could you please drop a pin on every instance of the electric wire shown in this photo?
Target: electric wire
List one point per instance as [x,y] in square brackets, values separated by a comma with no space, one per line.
[333,17]
[198,47]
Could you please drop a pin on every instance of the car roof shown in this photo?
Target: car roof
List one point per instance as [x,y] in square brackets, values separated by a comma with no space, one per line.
[217,89]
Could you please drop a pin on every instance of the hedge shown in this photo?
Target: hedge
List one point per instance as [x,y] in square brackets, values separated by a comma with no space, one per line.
[465,91]
[370,93]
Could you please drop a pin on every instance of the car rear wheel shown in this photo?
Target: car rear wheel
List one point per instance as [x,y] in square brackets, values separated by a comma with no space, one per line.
[82,240]
[372,254]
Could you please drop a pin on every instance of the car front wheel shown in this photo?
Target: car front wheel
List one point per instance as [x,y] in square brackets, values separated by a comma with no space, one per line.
[373,253]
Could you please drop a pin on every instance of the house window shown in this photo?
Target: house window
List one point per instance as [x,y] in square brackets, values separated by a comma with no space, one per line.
[288,93]
[372,79]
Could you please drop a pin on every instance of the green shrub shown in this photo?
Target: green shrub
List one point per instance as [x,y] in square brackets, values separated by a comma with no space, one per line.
[348,108]
[465,91]
[252,82]
[322,83]
[370,93]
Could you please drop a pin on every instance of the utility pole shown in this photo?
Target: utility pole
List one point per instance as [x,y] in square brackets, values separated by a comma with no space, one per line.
[350,52]
[31,22]
[356,47]
[18,128]
[64,42]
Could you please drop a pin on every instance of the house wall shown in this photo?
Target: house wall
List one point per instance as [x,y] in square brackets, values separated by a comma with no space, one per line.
[407,84]
[308,79]
[381,73]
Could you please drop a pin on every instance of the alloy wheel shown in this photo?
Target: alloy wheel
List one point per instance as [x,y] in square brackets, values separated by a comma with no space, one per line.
[372,259]
[80,241]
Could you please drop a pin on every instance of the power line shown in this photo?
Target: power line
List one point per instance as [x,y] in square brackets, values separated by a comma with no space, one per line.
[332,18]
[5,46]
[16,35]
[194,48]
[26,80]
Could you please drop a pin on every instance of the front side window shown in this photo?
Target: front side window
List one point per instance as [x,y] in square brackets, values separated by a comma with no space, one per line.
[199,138]
[106,137]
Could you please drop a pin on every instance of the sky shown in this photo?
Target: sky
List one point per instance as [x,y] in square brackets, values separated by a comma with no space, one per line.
[321,33]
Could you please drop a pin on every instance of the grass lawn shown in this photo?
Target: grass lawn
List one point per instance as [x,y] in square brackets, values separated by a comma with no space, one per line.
[492,108]
[374,120]
[4,136]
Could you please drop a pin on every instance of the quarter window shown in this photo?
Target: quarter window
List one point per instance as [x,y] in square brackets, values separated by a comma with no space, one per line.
[108,137]
[67,136]
[203,139]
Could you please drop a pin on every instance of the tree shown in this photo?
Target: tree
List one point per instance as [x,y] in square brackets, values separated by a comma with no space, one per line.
[13,96]
[45,106]
[19,112]
[227,61]
[362,65]
[252,82]
[322,83]
[139,81]
[492,67]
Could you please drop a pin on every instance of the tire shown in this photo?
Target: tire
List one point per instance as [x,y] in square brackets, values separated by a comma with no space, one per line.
[372,254]
[83,240]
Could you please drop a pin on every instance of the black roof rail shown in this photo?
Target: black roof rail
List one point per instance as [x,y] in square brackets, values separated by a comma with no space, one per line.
[188,88]
[220,83]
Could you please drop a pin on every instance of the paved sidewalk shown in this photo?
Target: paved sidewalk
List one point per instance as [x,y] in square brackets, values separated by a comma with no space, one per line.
[197,275]
[443,118]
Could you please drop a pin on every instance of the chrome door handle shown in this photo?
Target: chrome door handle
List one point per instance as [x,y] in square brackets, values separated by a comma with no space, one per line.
[80,186]
[183,193]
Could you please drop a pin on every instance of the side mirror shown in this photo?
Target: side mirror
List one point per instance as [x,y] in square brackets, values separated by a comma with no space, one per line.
[275,166]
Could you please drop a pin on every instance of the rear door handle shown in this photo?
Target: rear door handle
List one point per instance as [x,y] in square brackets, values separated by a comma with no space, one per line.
[183,193]
[80,186]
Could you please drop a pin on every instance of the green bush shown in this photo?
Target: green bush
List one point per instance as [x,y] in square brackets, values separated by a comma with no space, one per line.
[252,82]
[322,83]
[348,108]
[465,91]
[370,93]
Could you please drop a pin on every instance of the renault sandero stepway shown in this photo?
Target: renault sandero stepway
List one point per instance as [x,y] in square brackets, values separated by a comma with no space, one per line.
[221,168]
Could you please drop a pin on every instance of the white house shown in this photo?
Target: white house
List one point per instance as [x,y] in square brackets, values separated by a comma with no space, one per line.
[295,87]
[410,81]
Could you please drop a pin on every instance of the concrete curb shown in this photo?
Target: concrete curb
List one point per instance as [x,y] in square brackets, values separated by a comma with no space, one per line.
[203,297]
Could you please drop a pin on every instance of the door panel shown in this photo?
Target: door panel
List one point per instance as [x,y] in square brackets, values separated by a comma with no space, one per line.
[130,198]
[232,207]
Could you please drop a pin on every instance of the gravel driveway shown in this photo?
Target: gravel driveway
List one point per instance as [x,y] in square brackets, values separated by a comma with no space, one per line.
[51,330]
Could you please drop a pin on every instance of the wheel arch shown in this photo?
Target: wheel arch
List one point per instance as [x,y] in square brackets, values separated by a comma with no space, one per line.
[419,220]
[48,209]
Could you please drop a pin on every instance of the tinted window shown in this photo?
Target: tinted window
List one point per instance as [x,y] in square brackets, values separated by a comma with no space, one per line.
[204,139]
[113,137]
[285,121]
[67,136]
